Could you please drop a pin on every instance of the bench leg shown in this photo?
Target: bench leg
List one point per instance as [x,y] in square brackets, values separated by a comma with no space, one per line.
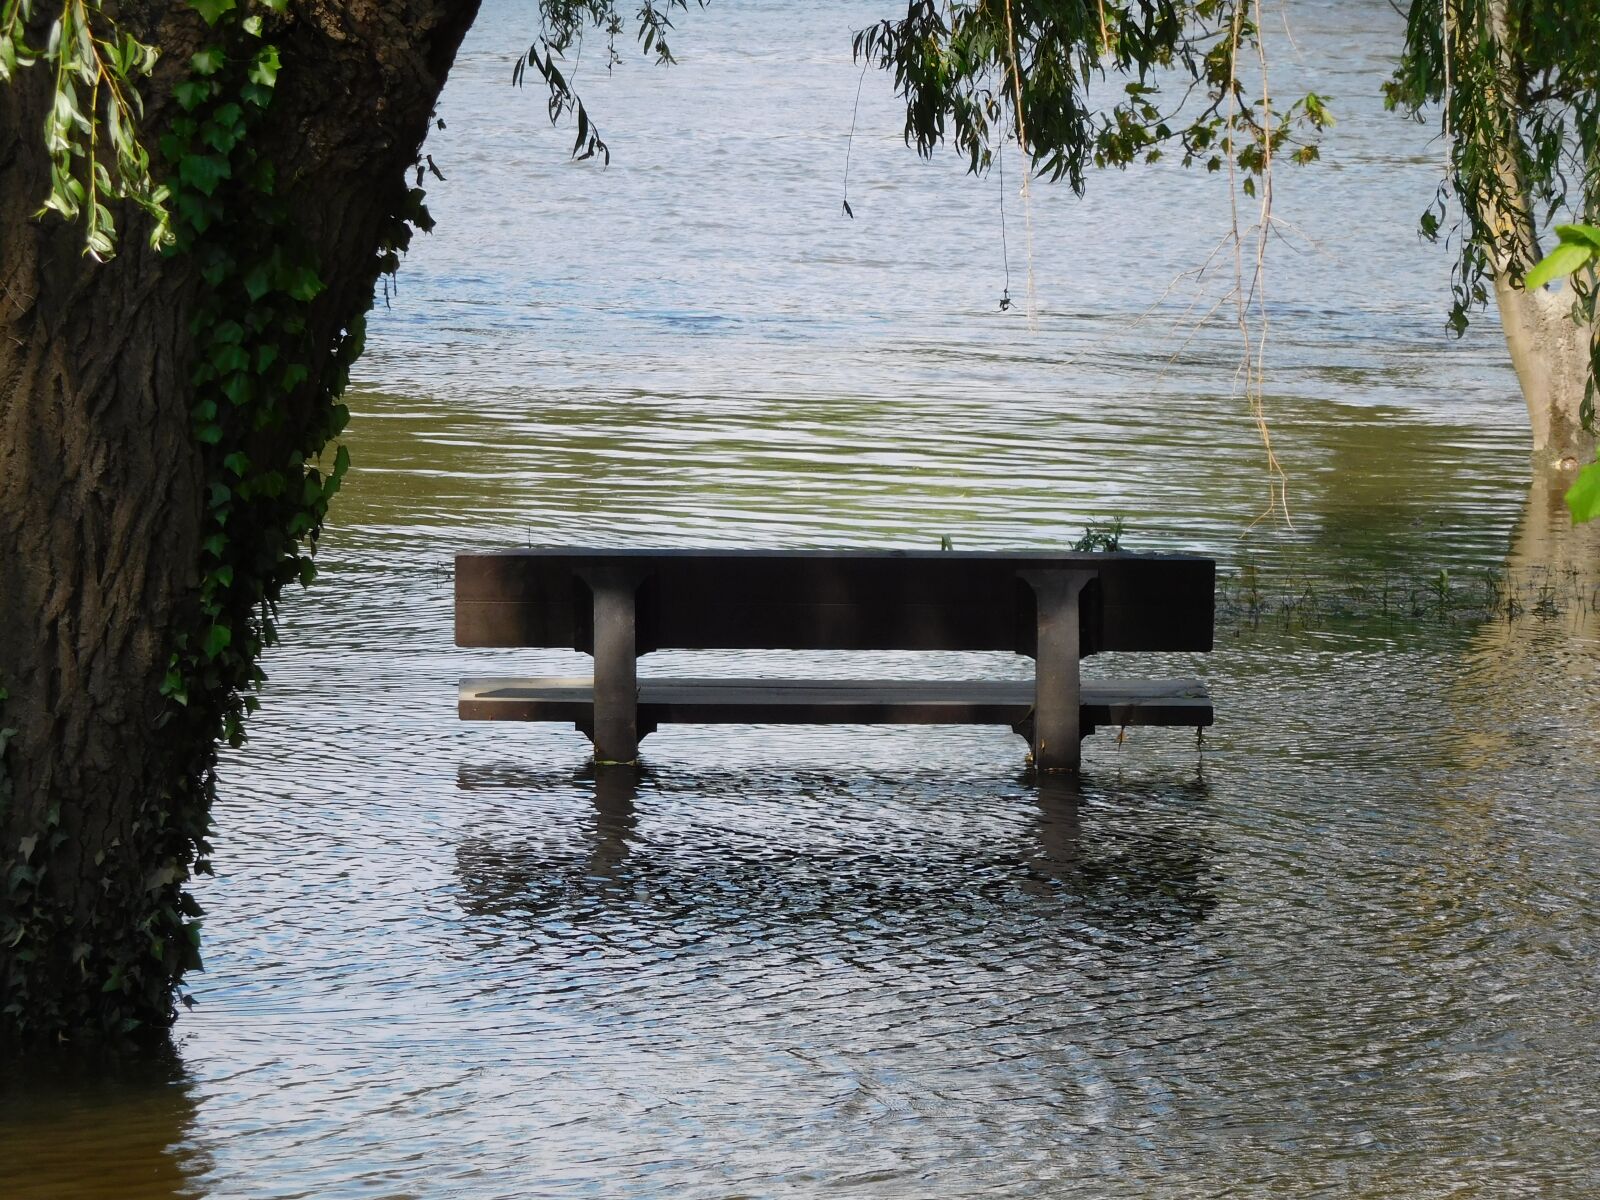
[616,674]
[1057,737]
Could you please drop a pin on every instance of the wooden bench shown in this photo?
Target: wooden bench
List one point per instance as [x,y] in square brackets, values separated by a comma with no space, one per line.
[620,604]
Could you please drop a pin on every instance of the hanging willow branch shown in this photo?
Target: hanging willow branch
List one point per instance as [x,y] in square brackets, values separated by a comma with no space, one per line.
[92,132]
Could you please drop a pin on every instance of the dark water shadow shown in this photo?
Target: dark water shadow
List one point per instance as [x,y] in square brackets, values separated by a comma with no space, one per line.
[1093,859]
[91,1126]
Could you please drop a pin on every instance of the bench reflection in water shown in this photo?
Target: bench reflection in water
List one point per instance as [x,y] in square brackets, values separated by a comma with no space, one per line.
[836,854]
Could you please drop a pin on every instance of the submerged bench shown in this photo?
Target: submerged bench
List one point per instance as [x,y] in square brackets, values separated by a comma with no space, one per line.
[620,604]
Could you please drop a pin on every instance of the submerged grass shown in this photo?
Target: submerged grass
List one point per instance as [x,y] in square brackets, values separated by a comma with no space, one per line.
[1251,594]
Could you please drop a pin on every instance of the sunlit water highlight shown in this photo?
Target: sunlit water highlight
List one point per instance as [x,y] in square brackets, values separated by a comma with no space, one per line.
[1347,948]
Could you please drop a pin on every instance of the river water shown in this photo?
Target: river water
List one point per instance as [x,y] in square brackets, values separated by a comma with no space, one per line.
[1347,947]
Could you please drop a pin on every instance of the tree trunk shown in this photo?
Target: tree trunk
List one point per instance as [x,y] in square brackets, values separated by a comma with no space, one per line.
[102,481]
[1549,350]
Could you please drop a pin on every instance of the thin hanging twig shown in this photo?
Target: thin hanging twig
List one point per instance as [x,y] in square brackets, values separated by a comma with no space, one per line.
[1252,365]
[1022,145]
[850,143]
[1005,253]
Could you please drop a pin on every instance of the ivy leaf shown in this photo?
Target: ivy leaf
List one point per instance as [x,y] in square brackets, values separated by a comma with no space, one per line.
[204,171]
[303,284]
[264,71]
[228,359]
[192,93]
[212,10]
[1583,497]
[239,387]
[256,282]
[208,61]
[218,638]
[1563,260]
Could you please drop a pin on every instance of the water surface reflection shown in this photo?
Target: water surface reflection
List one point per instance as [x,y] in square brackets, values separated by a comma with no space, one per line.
[783,889]
[95,1126]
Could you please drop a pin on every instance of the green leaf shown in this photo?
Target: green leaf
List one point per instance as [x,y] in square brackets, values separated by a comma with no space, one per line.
[1566,258]
[1583,497]
[1580,234]
[212,10]
[240,386]
[264,70]
[256,282]
[204,171]
[303,284]
[192,93]
[256,94]
[208,61]
[221,138]
[218,638]
[228,359]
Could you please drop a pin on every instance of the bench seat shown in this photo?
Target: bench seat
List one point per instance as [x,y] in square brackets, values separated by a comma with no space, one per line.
[1006,702]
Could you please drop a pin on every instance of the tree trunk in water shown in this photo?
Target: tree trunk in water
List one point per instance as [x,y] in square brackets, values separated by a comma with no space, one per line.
[1550,352]
[102,483]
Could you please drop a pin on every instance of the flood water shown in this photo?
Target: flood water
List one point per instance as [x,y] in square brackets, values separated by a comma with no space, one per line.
[1347,947]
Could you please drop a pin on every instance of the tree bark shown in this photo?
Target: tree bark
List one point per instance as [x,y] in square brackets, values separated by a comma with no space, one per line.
[101,480]
[1549,350]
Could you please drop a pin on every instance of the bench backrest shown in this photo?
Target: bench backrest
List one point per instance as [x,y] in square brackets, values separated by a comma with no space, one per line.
[831,599]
